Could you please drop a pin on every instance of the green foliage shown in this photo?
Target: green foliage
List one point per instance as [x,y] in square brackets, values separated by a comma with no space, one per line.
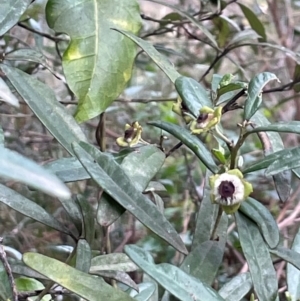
[178,206]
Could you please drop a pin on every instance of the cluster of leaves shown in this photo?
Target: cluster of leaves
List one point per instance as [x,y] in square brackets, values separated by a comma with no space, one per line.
[96,78]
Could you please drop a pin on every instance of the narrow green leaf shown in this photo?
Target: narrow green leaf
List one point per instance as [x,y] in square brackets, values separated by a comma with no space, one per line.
[19,268]
[205,218]
[10,13]
[114,262]
[206,256]
[178,283]
[108,210]
[86,286]
[191,141]
[193,94]
[118,276]
[88,218]
[83,256]
[263,219]
[269,159]
[244,35]
[28,208]
[255,87]
[157,58]
[95,49]
[235,85]
[288,161]
[140,166]
[258,258]
[285,127]
[193,21]
[74,212]
[6,95]
[71,170]
[236,288]
[204,261]
[30,55]
[5,287]
[18,168]
[223,28]
[146,290]
[282,180]
[288,255]
[67,169]
[148,280]
[42,101]
[114,181]
[293,273]
[254,22]
[24,284]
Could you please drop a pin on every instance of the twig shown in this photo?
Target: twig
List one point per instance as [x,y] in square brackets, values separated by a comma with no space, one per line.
[173,149]
[231,104]
[48,36]
[8,271]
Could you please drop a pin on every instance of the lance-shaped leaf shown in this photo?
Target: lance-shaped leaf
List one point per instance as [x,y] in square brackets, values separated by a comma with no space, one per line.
[205,218]
[254,22]
[86,286]
[114,181]
[191,141]
[242,36]
[18,168]
[289,161]
[269,159]
[258,258]
[202,28]
[42,101]
[114,262]
[264,220]
[236,288]
[293,273]
[67,169]
[119,276]
[6,95]
[140,166]
[30,55]
[10,13]
[254,98]
[204,261]
[71,170]
[205,258]
[5,287]
[98,62]
[161,61]
[28,208]
[193,94]
[146,291]
[180,284]
[288,255]
[285,127]
[272,142]
[83,256]
[88,218]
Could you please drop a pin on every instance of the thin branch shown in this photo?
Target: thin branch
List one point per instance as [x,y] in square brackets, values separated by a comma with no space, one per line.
[45,35]
[173,149]
[8,271]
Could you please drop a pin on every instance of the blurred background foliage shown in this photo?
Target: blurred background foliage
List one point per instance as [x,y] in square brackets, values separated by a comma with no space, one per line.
[267,35]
